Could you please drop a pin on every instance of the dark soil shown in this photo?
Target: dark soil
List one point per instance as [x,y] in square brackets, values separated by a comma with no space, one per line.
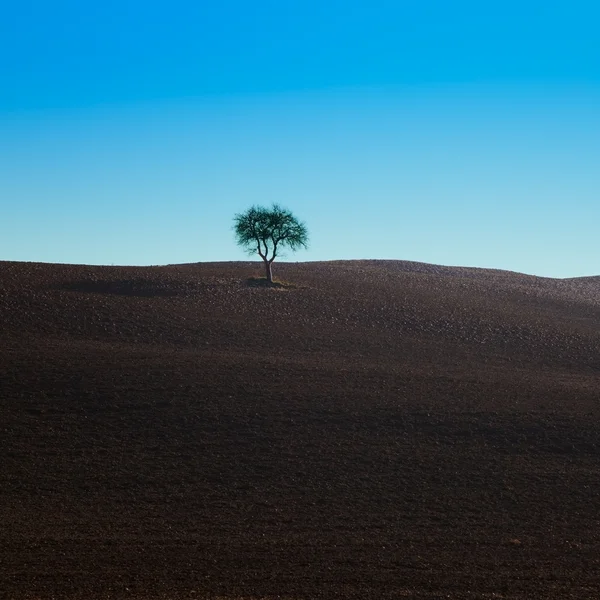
[376,429]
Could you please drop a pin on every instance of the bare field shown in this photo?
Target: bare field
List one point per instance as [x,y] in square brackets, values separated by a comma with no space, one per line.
[371,429]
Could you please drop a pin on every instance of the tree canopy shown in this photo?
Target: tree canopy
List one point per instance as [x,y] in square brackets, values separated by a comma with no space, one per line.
[266,231]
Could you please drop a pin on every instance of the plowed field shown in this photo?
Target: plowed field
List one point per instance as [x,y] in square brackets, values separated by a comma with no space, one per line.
[368,429]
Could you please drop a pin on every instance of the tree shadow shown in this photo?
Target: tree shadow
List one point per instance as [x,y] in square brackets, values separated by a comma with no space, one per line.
[262,282]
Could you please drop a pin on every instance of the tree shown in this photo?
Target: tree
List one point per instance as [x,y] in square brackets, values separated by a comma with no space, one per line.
[267,230]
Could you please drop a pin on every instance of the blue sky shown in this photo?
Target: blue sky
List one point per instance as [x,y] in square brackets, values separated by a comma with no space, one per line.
[463,133]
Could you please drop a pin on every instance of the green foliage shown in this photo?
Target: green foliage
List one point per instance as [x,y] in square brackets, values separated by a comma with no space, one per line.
[266,231]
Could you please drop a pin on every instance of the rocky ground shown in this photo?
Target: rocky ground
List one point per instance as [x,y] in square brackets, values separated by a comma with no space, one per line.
[369,429]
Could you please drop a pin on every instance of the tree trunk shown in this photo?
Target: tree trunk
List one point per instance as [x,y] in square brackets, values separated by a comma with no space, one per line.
[269,271]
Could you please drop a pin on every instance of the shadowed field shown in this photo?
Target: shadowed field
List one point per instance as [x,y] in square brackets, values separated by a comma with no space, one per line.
[368,429]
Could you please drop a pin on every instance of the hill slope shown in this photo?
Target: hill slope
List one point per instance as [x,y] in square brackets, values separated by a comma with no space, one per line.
[373,429]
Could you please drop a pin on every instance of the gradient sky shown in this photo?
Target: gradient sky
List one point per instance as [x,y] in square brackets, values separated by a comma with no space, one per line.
[463,133]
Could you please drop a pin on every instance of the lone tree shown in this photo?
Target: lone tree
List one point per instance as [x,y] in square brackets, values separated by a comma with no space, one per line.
[268,230]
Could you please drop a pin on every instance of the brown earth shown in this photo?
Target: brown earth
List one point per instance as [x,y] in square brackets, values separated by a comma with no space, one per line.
[374,429]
